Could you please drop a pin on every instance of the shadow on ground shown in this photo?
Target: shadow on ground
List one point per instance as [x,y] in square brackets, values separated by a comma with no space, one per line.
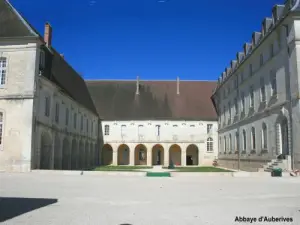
[12,207]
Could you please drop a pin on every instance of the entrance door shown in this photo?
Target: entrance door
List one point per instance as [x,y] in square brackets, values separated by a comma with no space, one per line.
[158,157]
[189,160]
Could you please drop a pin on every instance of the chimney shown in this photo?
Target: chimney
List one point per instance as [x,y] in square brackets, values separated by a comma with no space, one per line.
[48,34]
[137,85]
[178,82]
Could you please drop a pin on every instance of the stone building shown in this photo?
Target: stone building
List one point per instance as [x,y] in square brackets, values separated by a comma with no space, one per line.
[156,122]
[47,117]
[257,97]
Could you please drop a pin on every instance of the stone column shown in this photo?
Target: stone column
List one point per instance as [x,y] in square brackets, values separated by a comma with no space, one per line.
[183,157]
[149,157]
[115,157]
[131,157]
[166,157]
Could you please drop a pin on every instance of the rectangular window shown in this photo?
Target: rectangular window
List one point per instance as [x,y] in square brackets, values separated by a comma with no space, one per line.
[262,90]
[261,59]
[87,125]
[81,122]
[224,113]
[250,69]
[106,130]
[141,130]
[1,130]
[236,108]
[123,130]
[75,120]
[157,130]
[42,59]
[229,110]
[67,116]
[251,93]
[3,69]
[242,77]
[272,50]
[242,102]
[209,128]
[273,83]
[47,106]
[92,127]
[57,112]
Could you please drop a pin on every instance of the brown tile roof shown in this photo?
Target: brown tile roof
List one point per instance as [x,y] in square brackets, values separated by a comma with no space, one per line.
[117,100]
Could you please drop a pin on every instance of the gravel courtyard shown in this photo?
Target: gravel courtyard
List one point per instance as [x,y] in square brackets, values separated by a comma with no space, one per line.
[114,200]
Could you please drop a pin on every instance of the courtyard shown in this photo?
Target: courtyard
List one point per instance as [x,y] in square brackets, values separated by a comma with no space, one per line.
[40,199]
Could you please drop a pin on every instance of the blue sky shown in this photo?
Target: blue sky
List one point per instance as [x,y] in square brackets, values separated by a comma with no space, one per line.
[120,39]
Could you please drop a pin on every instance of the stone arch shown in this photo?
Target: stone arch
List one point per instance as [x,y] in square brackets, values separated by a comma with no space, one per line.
[46,151]
[123,155]
[107,155]
[192,155]
[158,155]
[175,154]
[57,153]
[283,143]
[81,155]
[87,155]
[66,156]
[74,155]
[140,155]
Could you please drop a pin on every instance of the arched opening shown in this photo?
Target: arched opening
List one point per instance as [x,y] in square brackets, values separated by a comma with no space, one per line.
[284,137]
[157,155]
[175,155]
[107,155]
[123,155]
[74,155]
[81,155]
[140,155]
[192,155]
[87,155]
[46,151]
[66,159]
[57,154]
[244,141]
[91,155]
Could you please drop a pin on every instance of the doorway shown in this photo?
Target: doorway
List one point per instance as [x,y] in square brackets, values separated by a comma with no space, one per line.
[189,160]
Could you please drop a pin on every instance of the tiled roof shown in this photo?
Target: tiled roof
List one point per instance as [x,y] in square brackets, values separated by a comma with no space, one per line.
[117,100]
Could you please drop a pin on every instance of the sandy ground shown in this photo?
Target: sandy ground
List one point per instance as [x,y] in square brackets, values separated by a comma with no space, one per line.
[41,199]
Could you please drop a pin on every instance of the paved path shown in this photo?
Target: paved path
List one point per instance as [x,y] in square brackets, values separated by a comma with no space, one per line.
[114,200]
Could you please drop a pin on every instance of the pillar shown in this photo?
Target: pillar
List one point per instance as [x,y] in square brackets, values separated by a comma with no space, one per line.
[131,156]
[166,157]
[115,157]
[149,157]
[183,157]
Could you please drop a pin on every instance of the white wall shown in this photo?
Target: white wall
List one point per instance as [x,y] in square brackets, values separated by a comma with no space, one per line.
[16,102]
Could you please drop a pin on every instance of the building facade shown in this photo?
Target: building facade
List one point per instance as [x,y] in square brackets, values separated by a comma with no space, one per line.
[257,97]
[44,122]
[156,122]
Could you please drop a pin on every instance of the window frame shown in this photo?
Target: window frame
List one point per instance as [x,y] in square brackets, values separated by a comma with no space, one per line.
[47,106]
[262,90]
[106,130]
[3,70]
[253,138]
[210,144]
[56,112]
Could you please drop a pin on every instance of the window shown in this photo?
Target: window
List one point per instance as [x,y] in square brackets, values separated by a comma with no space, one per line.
[47,106]
[242,102]
[264,138]
[57,112]
[106,130]
[1,130]
[224,113]
[229,110]
[209,128]
[75,120]
[244,141]
[225,144]
[272,50]
[87,125]
[3,68]
[253,142]
[250,69]
[236,82]
[242,77]
[175,125]
[230,143]
[141,130]
[157,130]
[67,116]
[123,129]
[273,83]
[262,90]
[92,127]
[81,122]
[261,59]
[251,97]
[210,145]
[236,141]
[236,107]
[42,59]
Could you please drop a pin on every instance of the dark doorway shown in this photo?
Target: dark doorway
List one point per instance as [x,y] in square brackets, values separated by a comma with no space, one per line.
[189,160]
[159,157]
